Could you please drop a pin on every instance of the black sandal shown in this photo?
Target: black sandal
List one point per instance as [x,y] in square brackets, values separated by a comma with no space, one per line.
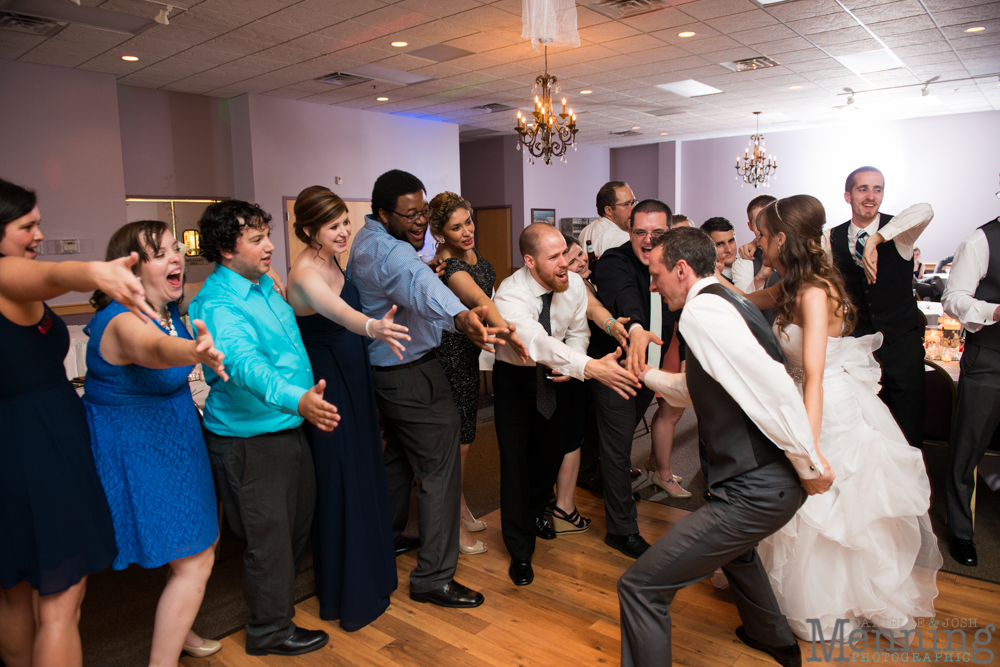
[568,523]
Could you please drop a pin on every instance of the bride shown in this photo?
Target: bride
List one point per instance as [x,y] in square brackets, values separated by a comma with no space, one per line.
[864,551]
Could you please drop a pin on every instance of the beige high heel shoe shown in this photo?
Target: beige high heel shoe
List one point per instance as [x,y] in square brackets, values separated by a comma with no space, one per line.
[478,548]
[210,647]
[474,526]
[657,482]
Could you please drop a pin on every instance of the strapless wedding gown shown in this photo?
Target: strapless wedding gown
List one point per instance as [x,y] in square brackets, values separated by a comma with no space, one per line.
[864,550]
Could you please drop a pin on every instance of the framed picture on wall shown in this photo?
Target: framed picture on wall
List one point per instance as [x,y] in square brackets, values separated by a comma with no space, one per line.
[546,215]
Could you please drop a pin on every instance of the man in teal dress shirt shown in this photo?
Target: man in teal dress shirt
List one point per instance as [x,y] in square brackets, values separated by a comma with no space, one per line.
[258,450]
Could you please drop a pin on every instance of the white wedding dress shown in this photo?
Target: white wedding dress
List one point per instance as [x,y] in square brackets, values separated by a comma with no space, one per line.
[864,550]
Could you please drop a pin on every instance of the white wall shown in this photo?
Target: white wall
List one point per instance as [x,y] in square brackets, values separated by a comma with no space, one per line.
[297,144]
[951,162]
[569,188]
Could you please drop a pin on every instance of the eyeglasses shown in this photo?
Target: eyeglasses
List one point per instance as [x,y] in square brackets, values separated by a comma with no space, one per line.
[630,203]
[642,233]
[426,213]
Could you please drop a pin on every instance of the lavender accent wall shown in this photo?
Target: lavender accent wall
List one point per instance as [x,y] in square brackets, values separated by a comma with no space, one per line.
[62,139]
[297,144]
[492,173]
[950,162]
[175,144]
[667,172]
[570,188]
[639,166]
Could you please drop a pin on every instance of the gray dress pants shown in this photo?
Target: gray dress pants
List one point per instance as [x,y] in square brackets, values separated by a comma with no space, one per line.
[421,429]
[723,533]
[267,485]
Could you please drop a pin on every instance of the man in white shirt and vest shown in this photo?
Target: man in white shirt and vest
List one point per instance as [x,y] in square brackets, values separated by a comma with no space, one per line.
[973,298]
[879,282]
[534,399]
[614,204]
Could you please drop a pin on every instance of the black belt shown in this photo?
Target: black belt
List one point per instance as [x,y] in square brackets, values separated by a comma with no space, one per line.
[413,364]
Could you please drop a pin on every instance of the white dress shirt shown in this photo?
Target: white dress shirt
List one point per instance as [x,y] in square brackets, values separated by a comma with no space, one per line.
[903,230]
[604,234]
[720,339]
[519,301]
[743,275]
[972,259]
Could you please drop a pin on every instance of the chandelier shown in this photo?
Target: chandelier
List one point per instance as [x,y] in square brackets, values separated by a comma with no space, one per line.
[756,168]
[550,133]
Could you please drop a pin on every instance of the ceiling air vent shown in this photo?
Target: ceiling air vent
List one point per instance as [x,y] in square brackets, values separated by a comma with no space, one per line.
[626,133]
[623,9]
[747,64]
[342,79]
[493,107]
[30,24]
[665,111]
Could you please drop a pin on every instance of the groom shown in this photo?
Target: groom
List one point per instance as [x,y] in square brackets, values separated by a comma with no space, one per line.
[757,454]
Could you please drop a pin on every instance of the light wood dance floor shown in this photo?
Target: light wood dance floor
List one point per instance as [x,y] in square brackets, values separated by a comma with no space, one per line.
[569,615]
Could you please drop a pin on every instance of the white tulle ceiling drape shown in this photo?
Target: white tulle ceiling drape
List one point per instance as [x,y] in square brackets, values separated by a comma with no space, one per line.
[550,23]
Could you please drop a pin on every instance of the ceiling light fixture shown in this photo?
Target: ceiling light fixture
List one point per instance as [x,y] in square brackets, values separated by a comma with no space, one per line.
[131,59]
[400,44]
[756,167]
[586,92]
[663,134]
[976,29]
[635,127]
[550,133]
[381,99]
[850,99]
[794,87]
[686,33]
[163,18]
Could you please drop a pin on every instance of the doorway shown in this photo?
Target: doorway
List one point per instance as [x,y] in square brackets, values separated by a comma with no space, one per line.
[493,238]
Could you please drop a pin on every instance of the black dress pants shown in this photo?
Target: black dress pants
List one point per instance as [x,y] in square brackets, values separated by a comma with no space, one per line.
[903,382]
[531,451]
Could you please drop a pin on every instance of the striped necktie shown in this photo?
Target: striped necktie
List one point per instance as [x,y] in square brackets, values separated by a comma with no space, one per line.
[545,393]
[859,247]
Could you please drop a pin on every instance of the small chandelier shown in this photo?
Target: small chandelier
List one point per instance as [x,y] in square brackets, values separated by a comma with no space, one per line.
[756,167]
[550,133]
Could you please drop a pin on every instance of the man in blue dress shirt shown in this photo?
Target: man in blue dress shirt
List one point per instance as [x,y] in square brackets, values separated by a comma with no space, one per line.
[419,415]
[253,423]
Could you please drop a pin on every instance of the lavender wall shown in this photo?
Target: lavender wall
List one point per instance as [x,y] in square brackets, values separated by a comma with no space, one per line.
[175,144]
[570,188]
[639,166]
[493,175]
[61,139]
[298,144]
[949,161]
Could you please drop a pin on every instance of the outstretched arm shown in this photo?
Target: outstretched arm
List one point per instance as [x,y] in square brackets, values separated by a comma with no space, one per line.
[602,317]
[763,299]
[126,340]
[471,296]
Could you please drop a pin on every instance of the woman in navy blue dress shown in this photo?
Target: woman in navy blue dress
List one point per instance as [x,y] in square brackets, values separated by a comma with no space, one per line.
[146,437]
[55,527]
[353,551]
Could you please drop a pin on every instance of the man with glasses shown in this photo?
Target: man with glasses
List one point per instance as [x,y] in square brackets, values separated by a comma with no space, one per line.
[419,415]
[622,280]
[614,204]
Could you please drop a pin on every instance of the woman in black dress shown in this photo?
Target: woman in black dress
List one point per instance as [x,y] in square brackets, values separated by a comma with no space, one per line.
[353,551]
[55,525]
[471,278]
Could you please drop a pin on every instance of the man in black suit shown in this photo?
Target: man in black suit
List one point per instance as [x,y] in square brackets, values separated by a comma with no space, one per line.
[880,285]
[622,280]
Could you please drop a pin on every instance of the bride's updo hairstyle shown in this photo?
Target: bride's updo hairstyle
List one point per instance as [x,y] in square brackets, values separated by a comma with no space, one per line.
[801,218]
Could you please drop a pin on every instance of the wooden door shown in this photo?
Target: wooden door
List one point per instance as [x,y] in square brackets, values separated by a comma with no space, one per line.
[356,212]
[493,238]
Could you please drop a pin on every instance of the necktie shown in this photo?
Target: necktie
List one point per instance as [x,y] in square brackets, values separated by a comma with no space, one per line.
[859,247]
[545,393]
[653,352]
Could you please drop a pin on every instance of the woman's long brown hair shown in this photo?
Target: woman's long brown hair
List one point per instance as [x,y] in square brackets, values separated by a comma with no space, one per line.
[801,218]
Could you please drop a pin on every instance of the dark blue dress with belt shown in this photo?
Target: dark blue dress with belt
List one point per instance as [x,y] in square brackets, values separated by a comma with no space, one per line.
[150,453]
[353,552]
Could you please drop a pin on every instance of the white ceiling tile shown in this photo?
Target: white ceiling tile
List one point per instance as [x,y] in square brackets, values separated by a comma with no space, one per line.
[659,20]
[971,15]
[709,9]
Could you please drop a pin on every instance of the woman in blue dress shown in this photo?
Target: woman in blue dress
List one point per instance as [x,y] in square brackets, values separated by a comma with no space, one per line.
[55,527]
[353,551]
[146,437]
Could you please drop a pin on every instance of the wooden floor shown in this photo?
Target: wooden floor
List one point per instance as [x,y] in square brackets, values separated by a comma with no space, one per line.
[569,615]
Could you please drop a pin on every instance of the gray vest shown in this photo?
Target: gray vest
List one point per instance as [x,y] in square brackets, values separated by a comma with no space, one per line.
[730,443]
[989,289]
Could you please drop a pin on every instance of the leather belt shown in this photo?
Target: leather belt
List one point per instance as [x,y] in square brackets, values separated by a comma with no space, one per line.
[413,364]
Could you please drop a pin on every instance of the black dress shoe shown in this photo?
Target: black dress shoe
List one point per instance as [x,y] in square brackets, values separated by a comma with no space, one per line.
[544,529]
[520,571]
[301,641]
[635,473]
[787,656]
[406,543]
[964,551]
[452,594]
[632,545]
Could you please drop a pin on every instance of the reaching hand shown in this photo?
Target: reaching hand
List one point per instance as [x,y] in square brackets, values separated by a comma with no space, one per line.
[389,332]
[619,332]
[869,259]
[470,322]
[516,344]
[747,250]
[636,356]
[207,354]
[115,278]
[607,371]
[314,408]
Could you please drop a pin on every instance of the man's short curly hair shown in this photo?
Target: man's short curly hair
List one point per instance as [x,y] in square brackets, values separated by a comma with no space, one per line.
[442,206]
[223,223]
[389,187]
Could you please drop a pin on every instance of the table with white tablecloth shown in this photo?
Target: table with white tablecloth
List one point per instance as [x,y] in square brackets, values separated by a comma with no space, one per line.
[76,359]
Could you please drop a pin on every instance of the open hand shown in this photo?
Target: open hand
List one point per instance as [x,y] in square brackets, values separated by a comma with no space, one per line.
[389,332]
[470,322]
[317,410]
[207,354]
[607,371]
[619,332]
[635,359]
[516,344]
[115,278]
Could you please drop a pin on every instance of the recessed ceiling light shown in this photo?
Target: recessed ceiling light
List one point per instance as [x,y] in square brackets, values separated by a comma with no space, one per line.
[381,99]
[635,127]
[586,92]
[976,29]
[686,33]
[794,87]
[131,59]
[400,44]
[879,60]
[663,134]
[688,88]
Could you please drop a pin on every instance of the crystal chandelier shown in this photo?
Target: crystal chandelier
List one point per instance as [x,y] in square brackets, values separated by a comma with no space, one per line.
[756,168]
[550,133]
